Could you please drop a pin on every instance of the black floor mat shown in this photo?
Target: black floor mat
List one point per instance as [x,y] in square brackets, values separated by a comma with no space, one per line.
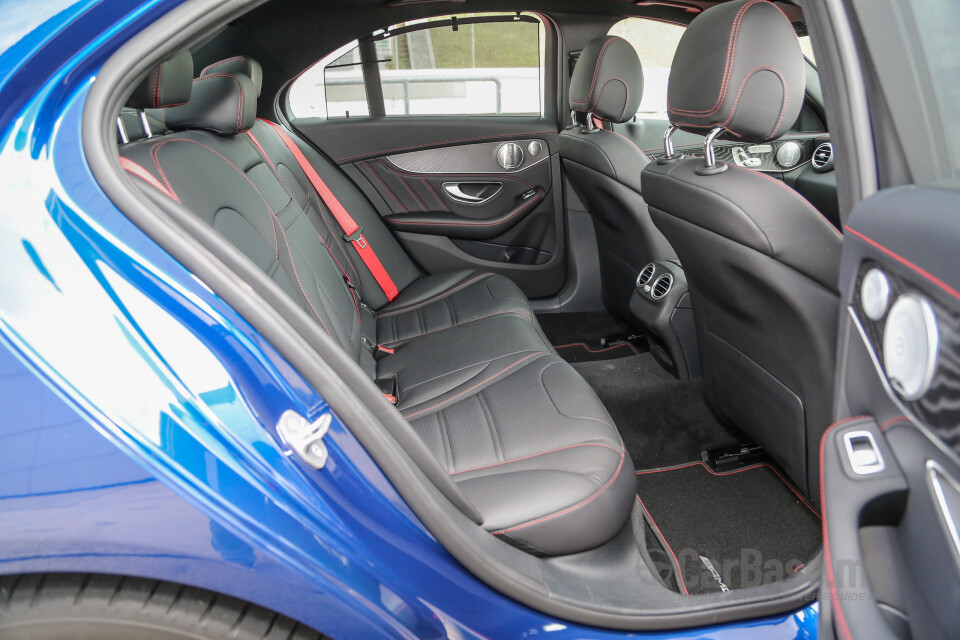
[583,352]
[565,328]
[662,421]
[748,525]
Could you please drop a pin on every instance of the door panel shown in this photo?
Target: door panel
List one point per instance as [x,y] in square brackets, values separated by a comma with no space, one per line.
[439,185]
[893,556]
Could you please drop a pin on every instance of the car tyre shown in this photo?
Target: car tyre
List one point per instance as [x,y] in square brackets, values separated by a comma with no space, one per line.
[88,607]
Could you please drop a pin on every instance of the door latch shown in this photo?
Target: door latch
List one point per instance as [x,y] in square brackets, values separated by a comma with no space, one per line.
[863,452]
[305,438]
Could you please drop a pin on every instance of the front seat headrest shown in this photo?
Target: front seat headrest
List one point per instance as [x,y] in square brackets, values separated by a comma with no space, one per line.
[608,80]
[238,64]
[225,103]
[738,66]
[168,85]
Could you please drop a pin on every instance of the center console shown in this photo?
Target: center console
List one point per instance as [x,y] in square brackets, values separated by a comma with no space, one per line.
[661,302]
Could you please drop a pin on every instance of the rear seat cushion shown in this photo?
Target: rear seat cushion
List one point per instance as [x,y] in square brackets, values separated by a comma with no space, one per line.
[536,452]
[437,302]
[516,427]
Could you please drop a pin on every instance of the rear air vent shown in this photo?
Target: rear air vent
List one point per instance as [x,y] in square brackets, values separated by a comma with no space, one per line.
[823,156]
[661,286]
[645,274]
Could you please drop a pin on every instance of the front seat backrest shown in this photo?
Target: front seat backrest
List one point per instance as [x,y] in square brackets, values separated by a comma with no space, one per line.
[604,167]
[760,261]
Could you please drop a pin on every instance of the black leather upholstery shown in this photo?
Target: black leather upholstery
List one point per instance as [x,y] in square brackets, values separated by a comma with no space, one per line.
[738,66]
[238,64]
[168,85]
[608,80]
[760,261]
[604,168]
[518,430]
[225,103]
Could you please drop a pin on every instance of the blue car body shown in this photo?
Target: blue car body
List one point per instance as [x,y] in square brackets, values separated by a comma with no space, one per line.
[137,409]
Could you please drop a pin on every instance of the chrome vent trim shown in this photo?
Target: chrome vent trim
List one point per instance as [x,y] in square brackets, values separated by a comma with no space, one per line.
[661,286]
[821,162]
[645,274]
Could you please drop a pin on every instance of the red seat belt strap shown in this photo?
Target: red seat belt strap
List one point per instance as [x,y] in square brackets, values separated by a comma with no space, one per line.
[352,232]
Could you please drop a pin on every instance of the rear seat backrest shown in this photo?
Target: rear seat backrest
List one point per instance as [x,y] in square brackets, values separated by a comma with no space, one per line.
[518,431]
[219,174]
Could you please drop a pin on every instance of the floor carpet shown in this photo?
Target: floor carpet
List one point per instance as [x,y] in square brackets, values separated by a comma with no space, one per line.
[582,352]
[662,420]
[566,328]
[732,530]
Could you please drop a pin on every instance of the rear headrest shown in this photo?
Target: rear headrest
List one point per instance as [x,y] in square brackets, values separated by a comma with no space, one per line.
[225,103]
[166,86]
[738,66]
[608,80]
[238,64]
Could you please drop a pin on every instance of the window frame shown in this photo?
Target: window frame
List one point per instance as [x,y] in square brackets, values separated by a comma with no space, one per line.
[373,86]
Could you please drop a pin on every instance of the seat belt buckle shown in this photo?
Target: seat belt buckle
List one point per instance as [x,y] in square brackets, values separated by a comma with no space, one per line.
[357,236]
[368,343]
[388,387]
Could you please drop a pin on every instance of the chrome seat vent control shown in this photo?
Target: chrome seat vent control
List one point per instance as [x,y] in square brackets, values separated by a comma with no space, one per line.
[822,159]
[863,453]
[661,286]
[305,438]
[510,155]
[875,294]
[645,274]
[788,155]
[910,344]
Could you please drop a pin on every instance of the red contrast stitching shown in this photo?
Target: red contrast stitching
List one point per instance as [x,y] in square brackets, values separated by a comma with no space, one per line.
[680,579]
[435,194]
[457,175]
[384,185]
[409,188]
[596,71]
[519,313]
[442,294]
[322,241]
[923,272]
[482,382]
[273,217]
[479,223]
[736,102]
[600,93]
[296,275]
[734,472]
[535,455]
[239,92]
[156,87]
[843,627]
[225,61]
[728,64]
[893,421]
[444,142]
[796,195]
[574,507]
[642,152]
[143,174]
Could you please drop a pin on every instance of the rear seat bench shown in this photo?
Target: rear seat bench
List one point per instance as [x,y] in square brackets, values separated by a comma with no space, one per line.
[521,433]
